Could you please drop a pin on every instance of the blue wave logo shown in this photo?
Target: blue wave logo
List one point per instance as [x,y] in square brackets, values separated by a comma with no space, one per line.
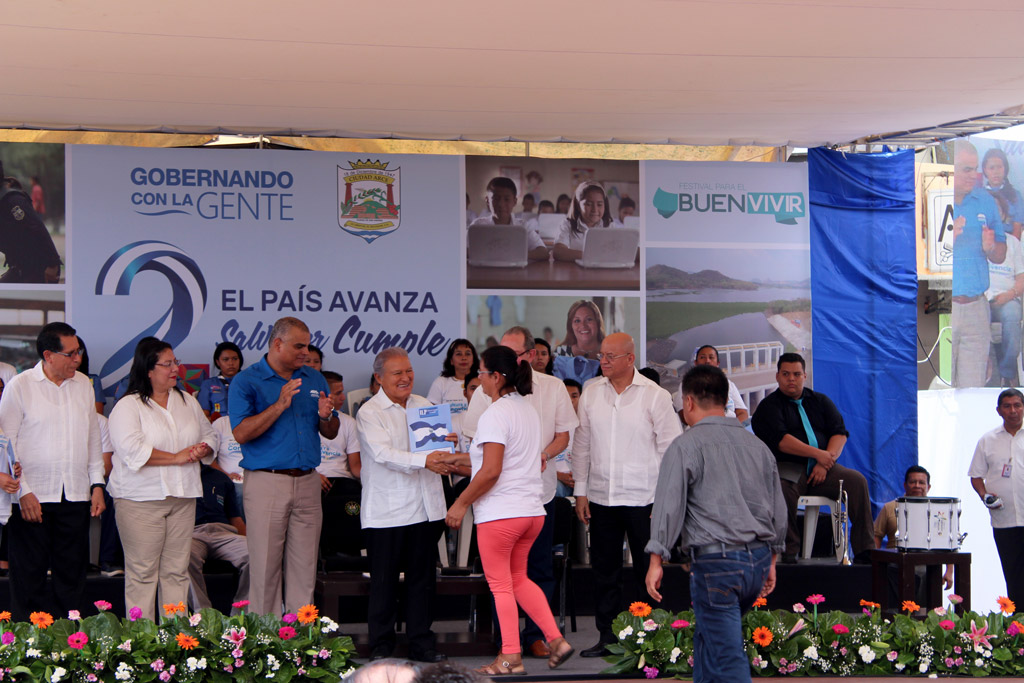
[188,297]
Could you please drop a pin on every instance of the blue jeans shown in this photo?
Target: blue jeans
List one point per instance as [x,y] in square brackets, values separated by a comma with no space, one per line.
[1009,314]
[723,587]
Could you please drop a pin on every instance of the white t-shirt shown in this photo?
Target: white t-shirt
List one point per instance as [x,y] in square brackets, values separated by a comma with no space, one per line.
[533,239]
[1001,276]
[514,423]
[448,390]
[567,238]
[229,453]
[334,452]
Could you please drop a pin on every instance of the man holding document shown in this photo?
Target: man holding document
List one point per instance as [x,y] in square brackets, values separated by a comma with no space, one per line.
[402,511]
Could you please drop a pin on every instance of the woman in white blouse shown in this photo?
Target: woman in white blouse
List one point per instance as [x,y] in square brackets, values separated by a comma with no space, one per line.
[589,210]
[159,433]
[449,388]
[505,461]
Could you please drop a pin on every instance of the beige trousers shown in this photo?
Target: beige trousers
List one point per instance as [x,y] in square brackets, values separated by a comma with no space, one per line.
[157,539]
[283,519]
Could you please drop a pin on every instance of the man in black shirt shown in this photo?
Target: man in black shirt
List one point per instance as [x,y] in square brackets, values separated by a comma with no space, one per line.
[806,434]
[219,535]
[24,240]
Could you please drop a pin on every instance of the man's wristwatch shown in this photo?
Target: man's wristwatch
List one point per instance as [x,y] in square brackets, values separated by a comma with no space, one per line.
[97,486]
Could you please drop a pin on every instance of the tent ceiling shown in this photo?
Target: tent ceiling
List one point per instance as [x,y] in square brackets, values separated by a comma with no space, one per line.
[773,72]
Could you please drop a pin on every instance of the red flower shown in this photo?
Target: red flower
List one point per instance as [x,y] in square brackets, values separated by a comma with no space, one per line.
[840,628]
[78,640]
[286,633]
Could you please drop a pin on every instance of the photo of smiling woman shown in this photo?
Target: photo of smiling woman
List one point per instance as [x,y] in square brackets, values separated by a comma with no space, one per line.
[576,357]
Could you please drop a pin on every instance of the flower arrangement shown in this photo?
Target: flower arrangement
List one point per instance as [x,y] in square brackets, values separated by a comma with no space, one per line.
[798,642]
[204,646]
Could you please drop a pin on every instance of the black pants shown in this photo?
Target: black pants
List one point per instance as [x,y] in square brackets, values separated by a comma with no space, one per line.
[608,526]
[859,506]
[412,549]
[110,541]
[341,532]
[59,543]
[1010,544]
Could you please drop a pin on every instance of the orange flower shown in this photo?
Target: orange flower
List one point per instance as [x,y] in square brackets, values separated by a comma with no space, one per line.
[187,642]
[1006,605]
[40,619]
[760,602]
[910,606]
[307,614]
[869,604]
[5,616]
[639,609]
[762,636]
[170,609]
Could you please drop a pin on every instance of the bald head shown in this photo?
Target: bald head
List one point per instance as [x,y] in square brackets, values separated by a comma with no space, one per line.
[965,168]
[618,356]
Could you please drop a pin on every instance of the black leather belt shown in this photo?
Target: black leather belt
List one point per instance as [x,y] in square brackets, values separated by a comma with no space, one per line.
[722,548]
[293,472]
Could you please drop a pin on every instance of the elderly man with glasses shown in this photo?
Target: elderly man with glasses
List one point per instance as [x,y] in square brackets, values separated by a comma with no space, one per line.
[626,424]
[49,414]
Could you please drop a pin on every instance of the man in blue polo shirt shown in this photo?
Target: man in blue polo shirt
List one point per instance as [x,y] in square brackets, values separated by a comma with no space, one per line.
[978,237]
[279,408]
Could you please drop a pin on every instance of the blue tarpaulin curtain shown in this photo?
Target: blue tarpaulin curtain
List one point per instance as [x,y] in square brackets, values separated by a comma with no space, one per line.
[864,307]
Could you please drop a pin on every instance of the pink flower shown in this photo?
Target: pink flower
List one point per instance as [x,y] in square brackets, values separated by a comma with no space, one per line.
[286,633]
[78,640]
[241,604]
[940,611]
[651,671]
[843,651]
[799,608]
[134,613]
[235,635]
[239,663]
[229,668]
[158,665]
[797,627]
[955,599]
[956,649]
[323,654]
[97,666]
[959,661]
[947,625]
[236,653]
[102,605]
[866,611]
[816,599]
[289,618]
[91,678]
[74,615]
[7,638]
[840,628]
[1013,629]
[165,676]
[689,660]
[979,637]
[650,625]
[680,623]
[301,671]
[835,644]
[949,661]
[892,656]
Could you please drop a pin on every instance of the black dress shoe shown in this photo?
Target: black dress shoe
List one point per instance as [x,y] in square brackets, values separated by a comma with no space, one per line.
[599,650]
[430,656]
[789,559]
[382,651]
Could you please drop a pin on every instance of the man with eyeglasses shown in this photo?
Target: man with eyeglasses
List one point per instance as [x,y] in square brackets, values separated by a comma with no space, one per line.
[49,414]
[626,424]
[551,400]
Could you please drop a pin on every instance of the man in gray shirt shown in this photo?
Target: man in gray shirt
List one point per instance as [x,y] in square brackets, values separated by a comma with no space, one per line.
[718,487]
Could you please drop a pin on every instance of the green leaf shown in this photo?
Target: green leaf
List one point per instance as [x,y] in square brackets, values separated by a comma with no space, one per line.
[623,666]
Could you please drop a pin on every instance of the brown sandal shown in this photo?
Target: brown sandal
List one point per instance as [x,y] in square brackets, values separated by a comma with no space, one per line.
[561,650]
[502,667]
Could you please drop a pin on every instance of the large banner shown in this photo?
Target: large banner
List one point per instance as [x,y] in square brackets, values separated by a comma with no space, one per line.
[202,246]
[988,264]
[727,264]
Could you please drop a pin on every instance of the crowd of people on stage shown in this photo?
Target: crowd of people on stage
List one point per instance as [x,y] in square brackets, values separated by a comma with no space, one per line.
[260,467]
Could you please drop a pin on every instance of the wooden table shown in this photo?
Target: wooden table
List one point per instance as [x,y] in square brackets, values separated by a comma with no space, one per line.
[932,560]
[553,275]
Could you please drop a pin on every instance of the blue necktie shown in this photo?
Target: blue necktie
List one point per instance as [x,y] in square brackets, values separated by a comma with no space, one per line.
[812,440]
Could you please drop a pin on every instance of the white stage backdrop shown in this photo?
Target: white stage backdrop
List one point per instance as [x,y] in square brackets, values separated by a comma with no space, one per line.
[200,246]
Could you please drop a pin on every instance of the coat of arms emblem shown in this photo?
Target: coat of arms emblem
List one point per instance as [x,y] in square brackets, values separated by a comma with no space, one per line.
[369,204]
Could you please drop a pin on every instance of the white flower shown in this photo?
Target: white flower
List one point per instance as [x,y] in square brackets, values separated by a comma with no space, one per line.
[192,663]
[650,625]
[811,652]
[329,626]
[124,672]
[32,652]
[628,631]
[979,662]
[799,608]
[639,638]
[764,664]
[899,666]
[58,674]
[923,668]
[126,645]
[273,663]
[195,619]
[674,655]
[986,654]
[866,653]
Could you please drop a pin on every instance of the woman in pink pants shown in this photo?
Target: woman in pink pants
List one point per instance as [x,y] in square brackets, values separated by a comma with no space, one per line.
[506,463]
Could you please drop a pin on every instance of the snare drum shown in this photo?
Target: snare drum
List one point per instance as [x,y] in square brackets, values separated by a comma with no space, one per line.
[927,523]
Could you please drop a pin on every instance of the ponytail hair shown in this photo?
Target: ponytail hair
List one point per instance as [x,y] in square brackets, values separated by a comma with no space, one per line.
[517,374]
